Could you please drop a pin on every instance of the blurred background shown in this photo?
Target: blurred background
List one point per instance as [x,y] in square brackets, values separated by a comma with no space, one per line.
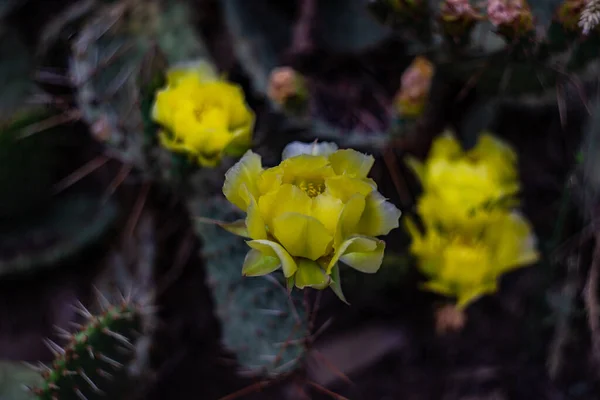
[113,286]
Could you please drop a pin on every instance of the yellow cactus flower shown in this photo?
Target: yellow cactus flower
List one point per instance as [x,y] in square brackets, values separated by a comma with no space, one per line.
[202,115]
[468,266]
[459,184]
[315,208]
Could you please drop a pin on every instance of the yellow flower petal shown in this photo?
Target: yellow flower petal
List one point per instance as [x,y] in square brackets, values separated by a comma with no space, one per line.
[349,218]
[416,166]
[344,187]
[255,224]
[310,274]
[244,173]
[258,263]
[305,167]
[362,253]
[466,297]
[287,198]
[379,216]
[515,243]
[206,117]
[445,147]
[169,142]
[270,180]
[439,287]
[301,235]
[272,249]
[351,162]
[237,228]
[327,209]
[466,265]
[203,70]
[360,256]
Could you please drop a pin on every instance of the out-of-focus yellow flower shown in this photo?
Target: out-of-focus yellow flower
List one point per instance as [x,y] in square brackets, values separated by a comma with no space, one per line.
[471,234]
[414,90]
[203,116]
[314,209]
[461,187]
[468,266]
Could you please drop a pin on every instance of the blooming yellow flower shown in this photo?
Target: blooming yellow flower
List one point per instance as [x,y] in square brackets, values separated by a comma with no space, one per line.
[317,207]
[468,266]
[203,116]
[460,187]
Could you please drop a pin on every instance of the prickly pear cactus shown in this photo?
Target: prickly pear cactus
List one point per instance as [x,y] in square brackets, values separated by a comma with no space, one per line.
[108,56]
[340,27]
[262,324]
[65,229]
[28,162]
[94,363]
[507,49]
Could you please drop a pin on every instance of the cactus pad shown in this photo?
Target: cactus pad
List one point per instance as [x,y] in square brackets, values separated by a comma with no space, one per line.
[93,364]
[263,324]
[65,229]
[105,65]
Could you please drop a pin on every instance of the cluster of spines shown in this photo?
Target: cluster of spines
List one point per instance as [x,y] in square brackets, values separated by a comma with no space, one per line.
[93,363]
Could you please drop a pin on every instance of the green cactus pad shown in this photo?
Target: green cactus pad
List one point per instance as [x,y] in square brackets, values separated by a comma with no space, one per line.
[15,378]
[107,57]
[93,364]
[262,323]
[28,165]
[67,226]
[259,49]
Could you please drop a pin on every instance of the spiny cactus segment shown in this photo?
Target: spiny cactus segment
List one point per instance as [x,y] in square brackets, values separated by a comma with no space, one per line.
[264,325]
[93,364]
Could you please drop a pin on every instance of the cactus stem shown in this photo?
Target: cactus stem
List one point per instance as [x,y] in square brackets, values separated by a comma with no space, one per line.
[277,313]
[290,342]
[86,378]
[284,367]
[118,82]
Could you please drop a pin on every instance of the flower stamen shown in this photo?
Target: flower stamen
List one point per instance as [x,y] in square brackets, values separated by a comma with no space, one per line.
[311,187]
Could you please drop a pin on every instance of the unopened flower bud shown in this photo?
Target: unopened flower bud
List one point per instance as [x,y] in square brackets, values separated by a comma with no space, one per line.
[287,88]
[282,84]
[569,13]
[458,17]
[449,318]
[414,90]
[512,18]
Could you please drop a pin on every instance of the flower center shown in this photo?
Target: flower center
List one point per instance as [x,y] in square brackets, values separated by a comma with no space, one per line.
[312,188]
